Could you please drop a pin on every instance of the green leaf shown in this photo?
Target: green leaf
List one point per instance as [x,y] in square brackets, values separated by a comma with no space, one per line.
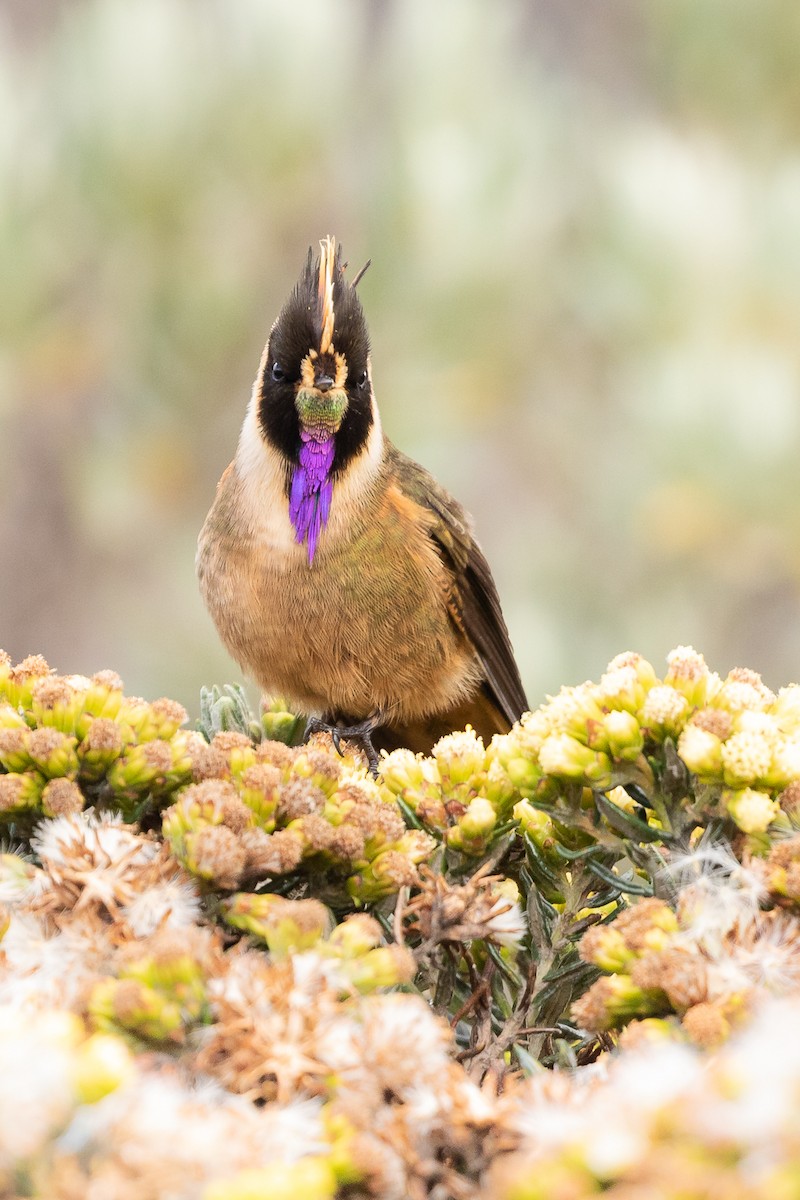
[573,966]
[445,982]
[675,776]
[584,852]
[622,883]
[626,824]
[528,1064]
[410,816]
[506,968]
[544,877]
[541,918]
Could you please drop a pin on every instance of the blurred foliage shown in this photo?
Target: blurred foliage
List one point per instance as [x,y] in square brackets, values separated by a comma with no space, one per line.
[582,221]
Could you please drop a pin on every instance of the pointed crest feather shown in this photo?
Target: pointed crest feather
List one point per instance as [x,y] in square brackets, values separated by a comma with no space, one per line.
[327,261]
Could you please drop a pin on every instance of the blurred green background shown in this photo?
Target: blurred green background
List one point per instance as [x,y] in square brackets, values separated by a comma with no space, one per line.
[584,221]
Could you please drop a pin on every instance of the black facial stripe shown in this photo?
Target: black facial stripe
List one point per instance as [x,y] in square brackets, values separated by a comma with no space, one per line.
[277,415]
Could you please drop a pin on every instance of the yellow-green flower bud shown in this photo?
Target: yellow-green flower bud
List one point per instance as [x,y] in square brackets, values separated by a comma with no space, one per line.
[181,748]
[145,766]
[649,925]
[402,771]
[56,703]
[318,768]
[356,935]
[200,804]
[259,788]
[604,946]
[60,797]
[380,823]
[309,1178]
[10,718]
[53,753]
[131,1005]
[762,723]
[576,711]
[238,750]
[541,829]
[285,925]
[531,730]
[498,788]
[687,673]
[535,823]
[340,844]
[780,883]
[701,751]
[278,723]
[461,759]
[708,1024]
[22,679]
[165,719]
[174,973]
[642,668]
[567,758]
[14,754]
[383,967]
[100,749]
[782,868]
[785,765]
[623,735]
[664,713]
[416,845]
[134,715]
[215,854]
[101,1065]
[622,689]
[384,876]
[615,999]
[414,780]
[753,811]
[103,698]
[160,719]
[786,710]
[743,690]
[746,758]
[474,828]
[520,765]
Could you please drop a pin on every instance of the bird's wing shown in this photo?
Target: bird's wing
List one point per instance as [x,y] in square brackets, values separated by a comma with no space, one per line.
[473,601]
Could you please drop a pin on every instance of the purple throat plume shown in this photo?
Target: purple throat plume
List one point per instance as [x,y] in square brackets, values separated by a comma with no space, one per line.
[312,487]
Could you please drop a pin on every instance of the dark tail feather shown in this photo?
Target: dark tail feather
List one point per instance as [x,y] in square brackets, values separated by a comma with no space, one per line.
[479,712]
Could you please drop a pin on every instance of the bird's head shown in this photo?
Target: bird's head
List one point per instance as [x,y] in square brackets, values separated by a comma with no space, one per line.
[315,373]
[314,390]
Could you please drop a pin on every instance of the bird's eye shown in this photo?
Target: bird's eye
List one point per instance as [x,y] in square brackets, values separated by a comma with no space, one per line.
[362,379]
[278,373]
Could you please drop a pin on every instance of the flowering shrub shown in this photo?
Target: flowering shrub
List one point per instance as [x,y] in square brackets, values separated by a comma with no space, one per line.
[232,966]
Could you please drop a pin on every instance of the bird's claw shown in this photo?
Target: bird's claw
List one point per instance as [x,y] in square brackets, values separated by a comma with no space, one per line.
[361,733]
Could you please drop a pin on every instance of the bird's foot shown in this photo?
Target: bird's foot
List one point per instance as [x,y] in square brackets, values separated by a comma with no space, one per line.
[361,733]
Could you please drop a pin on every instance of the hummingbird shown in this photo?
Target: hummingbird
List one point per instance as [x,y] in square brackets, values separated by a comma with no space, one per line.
[338,572]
